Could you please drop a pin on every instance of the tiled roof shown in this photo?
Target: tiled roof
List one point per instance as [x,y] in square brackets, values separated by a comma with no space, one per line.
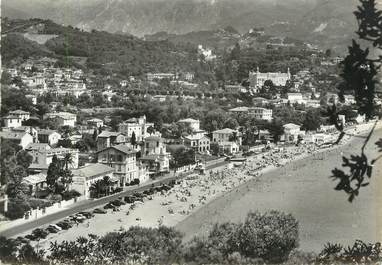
[12,135]
[188,120]
[225,131]
[92,170]
[106,134]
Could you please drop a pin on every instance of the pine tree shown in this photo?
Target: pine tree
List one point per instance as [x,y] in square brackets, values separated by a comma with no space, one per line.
[53,173]
[133,139]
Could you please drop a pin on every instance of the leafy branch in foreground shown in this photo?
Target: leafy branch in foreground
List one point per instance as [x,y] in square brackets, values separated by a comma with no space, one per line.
[359,72]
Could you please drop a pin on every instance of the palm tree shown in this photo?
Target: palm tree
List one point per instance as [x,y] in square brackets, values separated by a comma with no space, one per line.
[106,184]
[96,188]
[67,160]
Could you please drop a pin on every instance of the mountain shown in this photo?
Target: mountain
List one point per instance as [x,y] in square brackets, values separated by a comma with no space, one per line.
[323,22]
[101,51]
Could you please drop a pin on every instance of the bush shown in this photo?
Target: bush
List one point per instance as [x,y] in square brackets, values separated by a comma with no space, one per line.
[270,236]
[68,195]
[266,237]
[16,210]
[37,203]
[360,252]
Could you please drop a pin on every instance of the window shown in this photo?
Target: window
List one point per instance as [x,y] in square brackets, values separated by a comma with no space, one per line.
[119,168]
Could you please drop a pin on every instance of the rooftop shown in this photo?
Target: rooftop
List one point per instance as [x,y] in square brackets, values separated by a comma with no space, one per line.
[92,170]
[19,112]
[188,120]
[107,134]
[225,131]
[35,179]
[13,135]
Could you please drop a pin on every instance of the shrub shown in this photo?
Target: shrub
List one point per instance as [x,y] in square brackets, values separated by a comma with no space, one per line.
[270,236]
[16,210]
[359,252]
[37,203]
[68,195]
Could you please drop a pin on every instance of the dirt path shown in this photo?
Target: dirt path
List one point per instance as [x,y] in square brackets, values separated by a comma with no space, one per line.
[304,189]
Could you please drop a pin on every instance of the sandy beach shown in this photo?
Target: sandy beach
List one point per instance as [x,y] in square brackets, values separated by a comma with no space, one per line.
[294,180]
[303,188]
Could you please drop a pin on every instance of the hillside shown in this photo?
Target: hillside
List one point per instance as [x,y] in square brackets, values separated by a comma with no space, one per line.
[104,51]
[327,23]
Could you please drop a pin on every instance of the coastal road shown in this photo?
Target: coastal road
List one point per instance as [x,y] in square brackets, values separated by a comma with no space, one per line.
[89,204]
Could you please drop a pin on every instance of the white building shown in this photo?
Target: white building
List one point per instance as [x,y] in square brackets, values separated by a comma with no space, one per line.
[62,118]
[295,98]
[206,52]
[137,125]
[193,124]
[50,137]
[160,76]
[123,160]
[84,177]
[258,79]
[43,155]
[11,121]
[23,139]
[200,143]
[226,135]
[261,113]
[23,115]
[95,123]
[292,132]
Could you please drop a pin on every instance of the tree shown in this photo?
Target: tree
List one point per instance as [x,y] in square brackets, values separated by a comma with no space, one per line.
[359,74]
[16,188]
[53,173]
[328,53]
[150,130]
[133,139]
[270,236]
[312,120]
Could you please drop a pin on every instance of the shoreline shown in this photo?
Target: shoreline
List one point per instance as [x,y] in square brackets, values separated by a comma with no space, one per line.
[299,188]
[187,200]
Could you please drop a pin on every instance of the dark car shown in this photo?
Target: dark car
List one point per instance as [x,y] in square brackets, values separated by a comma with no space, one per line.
[129,199]
[87,214]
[40,233]
[31,237]
[166,187]
[117,203]
[64,225]
[53,230]
[99,211]
[22,240]
[118,190]
[109,206]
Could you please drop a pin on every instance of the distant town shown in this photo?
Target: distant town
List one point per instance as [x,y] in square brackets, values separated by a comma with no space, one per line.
[84,135]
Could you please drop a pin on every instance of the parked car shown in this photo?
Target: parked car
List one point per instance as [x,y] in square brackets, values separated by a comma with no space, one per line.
[118,190]
[80,216]
[40,233]
[64,225]
[87,214]
[99,211]
[31,237]
[117,203]
[22,240]
[129,199]
[109,206]
[55,226]
[52,229]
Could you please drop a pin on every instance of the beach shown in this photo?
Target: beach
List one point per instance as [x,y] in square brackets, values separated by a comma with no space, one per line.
[304,189]
[291,179]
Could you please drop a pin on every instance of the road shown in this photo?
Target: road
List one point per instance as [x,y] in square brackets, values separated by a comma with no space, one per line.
[13,231]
